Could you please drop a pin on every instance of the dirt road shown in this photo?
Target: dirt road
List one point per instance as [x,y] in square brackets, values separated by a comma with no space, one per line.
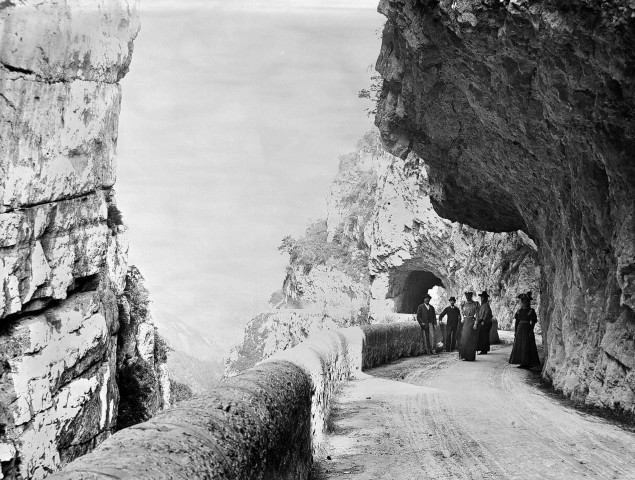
[436,417]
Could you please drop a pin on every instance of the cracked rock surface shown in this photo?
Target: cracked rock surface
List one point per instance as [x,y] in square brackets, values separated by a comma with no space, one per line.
[63,252]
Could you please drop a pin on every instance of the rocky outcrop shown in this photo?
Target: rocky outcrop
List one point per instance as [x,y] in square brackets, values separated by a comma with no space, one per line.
[58,396]
[328,267]
[523,114]
[279,330]
[413,250]
[63,254]
[142,354]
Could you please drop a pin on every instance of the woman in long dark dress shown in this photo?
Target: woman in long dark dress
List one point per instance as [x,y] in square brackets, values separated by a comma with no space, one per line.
[484,321]
[524,352]
[469,332]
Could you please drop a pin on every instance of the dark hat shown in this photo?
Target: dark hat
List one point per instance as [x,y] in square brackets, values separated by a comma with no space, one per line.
[484,294]
[427,295]
[452,299]
[525,296]
[469,293]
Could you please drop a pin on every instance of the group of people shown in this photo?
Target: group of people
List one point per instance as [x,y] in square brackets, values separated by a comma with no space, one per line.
[468,328]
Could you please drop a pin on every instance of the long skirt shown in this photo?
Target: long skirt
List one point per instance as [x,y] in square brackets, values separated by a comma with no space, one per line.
[469,336]
[524,352]
[482,345]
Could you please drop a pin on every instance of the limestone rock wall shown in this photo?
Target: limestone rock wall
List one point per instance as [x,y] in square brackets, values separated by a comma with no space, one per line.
[407,236]
[523,113]
[327,288]
[350,201]
[63,252]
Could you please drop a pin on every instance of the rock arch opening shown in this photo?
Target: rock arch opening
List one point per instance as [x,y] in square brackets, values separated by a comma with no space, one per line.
[409,288]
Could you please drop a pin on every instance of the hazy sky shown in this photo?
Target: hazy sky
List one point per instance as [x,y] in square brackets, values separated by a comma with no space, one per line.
[232,122]
[257,5]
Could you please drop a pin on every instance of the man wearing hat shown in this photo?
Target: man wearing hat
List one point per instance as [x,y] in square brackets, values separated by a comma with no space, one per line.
[484,321]
[427,317]
[454,316]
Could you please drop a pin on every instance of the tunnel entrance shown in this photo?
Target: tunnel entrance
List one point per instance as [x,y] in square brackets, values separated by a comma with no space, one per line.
[414,286]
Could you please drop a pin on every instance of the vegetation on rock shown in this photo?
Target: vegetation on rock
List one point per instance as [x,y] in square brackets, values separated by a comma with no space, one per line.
[138,391]
[141,353]
[180,391]
[314,248]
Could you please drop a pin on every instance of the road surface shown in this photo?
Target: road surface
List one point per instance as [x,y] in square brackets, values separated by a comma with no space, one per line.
[440,418]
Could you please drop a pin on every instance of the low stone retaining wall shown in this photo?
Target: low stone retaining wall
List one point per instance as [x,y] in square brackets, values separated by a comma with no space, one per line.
[387,342]
[262,424]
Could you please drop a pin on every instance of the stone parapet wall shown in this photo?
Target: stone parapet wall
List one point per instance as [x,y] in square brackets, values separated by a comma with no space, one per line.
[388,342]
[264,423]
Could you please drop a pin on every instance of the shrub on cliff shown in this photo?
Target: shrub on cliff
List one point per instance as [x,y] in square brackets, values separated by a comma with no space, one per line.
[313,248]
[114,218]
[138,393]
[339,246]
[373,92]
[141,352]
[137,294]
[161,348]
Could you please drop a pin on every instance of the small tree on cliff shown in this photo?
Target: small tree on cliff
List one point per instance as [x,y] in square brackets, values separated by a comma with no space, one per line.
[373,92]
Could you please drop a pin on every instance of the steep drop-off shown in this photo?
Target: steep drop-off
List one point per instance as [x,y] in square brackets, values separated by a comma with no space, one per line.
[523,114]
[63,253]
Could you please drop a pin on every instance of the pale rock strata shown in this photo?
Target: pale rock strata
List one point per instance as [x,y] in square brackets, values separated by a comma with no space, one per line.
[328,288]
[59,384]
[278,330]
[63,252]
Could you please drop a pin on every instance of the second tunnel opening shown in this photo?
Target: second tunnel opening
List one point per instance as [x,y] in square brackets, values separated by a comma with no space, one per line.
[415,285]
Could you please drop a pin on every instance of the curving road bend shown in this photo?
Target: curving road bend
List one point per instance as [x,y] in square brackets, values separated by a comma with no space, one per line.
[436,417]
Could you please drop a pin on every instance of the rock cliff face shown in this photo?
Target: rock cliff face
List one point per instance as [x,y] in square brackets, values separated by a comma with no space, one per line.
[523,114]
[328,268]
[63,254]
[327,283]
[413,250]
[278,330]
[142,374]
